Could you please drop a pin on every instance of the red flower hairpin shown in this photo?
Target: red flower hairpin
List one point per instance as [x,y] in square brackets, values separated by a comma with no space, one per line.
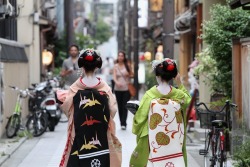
[89,56]
[170,66]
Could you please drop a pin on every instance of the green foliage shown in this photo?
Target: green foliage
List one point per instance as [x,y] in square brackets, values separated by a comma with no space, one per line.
[24,133]
[103,31]
[206,67]
[224,25]
[84,42]
[61,48]
[150,76]
[60,51]
[241,155]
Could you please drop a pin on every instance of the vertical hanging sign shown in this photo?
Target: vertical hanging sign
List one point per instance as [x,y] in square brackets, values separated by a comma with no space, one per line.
[142,13]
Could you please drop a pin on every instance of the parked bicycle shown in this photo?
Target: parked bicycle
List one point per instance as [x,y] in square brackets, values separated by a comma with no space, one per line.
[218,123]
[15,120]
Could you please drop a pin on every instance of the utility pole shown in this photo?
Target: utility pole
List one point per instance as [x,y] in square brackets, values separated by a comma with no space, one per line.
[168,28]
[136,47]
[68,15]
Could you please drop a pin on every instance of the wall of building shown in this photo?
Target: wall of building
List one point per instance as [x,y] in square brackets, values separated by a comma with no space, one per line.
[21,74]
[28,34]
[14,74]
[245,62]
[185,44]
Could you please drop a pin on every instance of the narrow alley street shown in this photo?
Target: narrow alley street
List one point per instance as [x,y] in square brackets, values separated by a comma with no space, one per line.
[46,151]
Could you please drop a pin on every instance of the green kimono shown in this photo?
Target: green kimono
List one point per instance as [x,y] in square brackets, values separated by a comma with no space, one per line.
[139,157]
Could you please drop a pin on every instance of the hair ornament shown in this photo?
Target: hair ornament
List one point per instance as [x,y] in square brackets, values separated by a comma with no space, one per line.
[170,65]
[89,58]
[89,54]
[170,62]
[155,63]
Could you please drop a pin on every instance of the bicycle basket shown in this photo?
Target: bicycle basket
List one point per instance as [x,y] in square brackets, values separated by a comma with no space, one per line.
[206,117]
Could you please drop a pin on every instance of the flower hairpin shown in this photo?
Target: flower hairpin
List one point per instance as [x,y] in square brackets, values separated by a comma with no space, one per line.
[170,62]
[170,66]
[89,54]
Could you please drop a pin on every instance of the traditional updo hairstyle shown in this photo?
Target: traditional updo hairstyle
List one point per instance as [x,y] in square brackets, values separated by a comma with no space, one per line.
[167,70]
[89,59]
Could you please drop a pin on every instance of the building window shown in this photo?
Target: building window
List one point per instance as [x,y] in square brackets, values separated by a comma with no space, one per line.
[8,26]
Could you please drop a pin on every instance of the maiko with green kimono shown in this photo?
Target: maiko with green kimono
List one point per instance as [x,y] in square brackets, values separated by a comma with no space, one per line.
[160,121]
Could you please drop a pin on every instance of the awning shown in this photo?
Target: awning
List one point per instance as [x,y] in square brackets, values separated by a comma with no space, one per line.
[12,51]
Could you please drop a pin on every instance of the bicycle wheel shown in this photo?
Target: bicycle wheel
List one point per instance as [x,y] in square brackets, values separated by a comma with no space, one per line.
[208,156]
[13,126]
[37,124]
[221,155]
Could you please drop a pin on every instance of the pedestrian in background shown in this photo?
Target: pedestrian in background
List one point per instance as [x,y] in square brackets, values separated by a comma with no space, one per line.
[121,74]
[91,137]
[160,121]
[70,67]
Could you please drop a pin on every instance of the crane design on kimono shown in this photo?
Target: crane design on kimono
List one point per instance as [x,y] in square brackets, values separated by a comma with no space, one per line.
[92,102]
[90,122]
[88,146]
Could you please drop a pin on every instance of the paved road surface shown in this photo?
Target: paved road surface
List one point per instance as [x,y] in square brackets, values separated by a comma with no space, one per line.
[46,150]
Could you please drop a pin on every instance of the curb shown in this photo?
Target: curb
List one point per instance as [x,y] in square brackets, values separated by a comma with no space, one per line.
[11,149]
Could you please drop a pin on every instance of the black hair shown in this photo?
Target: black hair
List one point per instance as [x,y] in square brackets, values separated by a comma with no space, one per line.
[125,61]
[73,45]
[167,70]
[89,60]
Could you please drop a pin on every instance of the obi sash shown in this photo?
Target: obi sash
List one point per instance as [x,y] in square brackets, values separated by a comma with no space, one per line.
[166,134]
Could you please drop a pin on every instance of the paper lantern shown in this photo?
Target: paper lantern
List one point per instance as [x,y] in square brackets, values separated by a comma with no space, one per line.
[47,57]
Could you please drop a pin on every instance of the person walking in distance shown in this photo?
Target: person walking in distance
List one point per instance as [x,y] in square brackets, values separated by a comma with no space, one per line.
[70,66]
[90,107]
[121,75]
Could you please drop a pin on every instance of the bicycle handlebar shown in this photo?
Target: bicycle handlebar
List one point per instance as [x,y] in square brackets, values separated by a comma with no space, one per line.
[22,92]
[227,104]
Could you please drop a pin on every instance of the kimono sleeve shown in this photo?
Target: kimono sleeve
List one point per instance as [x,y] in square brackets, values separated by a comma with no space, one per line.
[185,96]
[66,99]
[112,104]
[60,96]
[141,116]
